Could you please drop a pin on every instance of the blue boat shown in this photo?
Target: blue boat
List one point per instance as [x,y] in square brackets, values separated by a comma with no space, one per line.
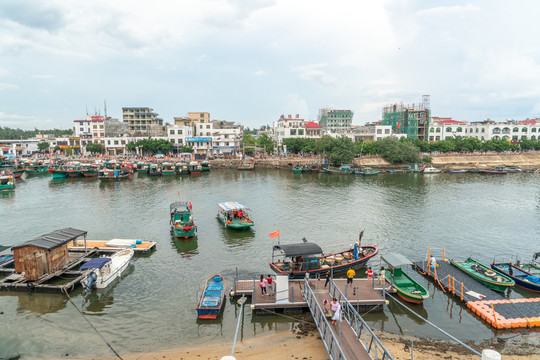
[522,278]
[4,259]
[211,298]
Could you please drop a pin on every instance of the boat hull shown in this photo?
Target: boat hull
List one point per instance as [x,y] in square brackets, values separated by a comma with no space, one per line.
[494,282]
[58,174]
[236,224]
[184,232]
[518,275]
[119,263]
[212,297]
[406,287]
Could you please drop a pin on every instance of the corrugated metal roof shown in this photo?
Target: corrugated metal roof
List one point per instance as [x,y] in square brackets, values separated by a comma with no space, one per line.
[54,239]
[232,206]
[301,249]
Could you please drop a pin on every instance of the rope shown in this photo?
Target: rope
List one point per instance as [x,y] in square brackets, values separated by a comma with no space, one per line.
[93,327]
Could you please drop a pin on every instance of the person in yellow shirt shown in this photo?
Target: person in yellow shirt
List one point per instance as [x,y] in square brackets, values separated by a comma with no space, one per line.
[350,275]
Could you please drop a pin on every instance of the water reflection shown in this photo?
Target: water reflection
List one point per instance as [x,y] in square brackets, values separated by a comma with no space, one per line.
[95,302]
[236,238]
[186,247]
[38,303]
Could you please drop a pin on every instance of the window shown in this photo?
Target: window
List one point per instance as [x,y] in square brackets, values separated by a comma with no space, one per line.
[172,140]
[496,131]
[108,142]
[459,129]
[227,144]
[524,137]
[438,138]
[82,129]
[438,129]
[524,130]
[483,131]
[180,141]
[515,129]
[379,131]
[179,132]
[431,138]
[476,130]
[387,131]
[208,126]
[448,129]
[431,130]
[171,132]
[115,142]
[300,131]
[95,126]
[101,126]
[293,131]
[533,129]
[514,137]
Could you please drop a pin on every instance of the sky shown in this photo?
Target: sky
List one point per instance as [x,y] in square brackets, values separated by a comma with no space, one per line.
[250,61]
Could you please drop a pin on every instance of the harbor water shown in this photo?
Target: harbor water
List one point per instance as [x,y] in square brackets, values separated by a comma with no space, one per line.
[153,305]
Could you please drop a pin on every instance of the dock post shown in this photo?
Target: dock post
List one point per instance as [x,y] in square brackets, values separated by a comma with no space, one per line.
[449,284]
[443,249]
[346,288]
[292,294]
[453,286]
[412,350]
[462,291]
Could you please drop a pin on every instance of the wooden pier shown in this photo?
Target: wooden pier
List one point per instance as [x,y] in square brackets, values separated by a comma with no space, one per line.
[489,305]
[101,245]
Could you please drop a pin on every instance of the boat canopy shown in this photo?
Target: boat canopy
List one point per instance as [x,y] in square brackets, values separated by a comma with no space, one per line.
[96,263]
[395,259]
[301,249]
[180,205]
[2,248]
[228,206]
[53,240]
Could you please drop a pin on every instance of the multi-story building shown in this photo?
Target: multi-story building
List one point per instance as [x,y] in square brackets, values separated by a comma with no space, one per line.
[289,127]
[177,135]
[143,121]
[335,121]
[91,128]
[412,120]
[371,132]
[226,137]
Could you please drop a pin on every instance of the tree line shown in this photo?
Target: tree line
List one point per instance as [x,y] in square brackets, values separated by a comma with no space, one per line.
[7,133]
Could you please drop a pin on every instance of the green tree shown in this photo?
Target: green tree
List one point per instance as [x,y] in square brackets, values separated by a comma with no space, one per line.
[398,151]
[498,145]
[185,149]
[264,141]
[95,148]
[248,139]
[472,144]
[43,146]
[343,151]
[324,145]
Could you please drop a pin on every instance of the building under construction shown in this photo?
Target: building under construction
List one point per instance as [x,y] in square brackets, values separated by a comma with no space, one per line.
[412,120]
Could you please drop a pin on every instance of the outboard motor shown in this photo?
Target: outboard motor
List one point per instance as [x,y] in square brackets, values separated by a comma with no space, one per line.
[92,277]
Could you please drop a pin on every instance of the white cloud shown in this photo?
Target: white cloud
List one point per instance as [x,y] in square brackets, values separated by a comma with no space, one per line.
[313,74]
[5,86]
[260,72]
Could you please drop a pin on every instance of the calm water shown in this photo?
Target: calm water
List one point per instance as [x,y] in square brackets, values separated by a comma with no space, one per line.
[152,307]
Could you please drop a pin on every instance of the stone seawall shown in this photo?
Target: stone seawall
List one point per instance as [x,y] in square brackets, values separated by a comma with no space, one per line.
[524,160]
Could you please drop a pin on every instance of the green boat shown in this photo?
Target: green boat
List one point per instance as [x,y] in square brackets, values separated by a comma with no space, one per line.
[533,267]
[235,216]
[484,274]
[181,168]
[342,170]
[406,287]
[89,170]
[141,167]
[36,169]
[367,171]
[7,182]
[205,164]
[297,169]
[182,220]
[167,169]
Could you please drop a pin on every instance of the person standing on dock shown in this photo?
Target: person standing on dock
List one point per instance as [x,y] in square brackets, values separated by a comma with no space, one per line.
[381,276]
[350,275]
[335,309]
[327,277]
[369,273]
[262,284]
[433,262]
[269,283]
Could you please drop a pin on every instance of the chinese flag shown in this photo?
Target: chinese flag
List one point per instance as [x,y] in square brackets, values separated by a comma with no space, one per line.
[274,234]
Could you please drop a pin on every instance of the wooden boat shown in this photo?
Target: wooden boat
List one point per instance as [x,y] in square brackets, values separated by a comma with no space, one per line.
[5,258]
[141,167]
[483,274]
[7,182]
[533,267]
[211,298]
[114,174]
[104,270]
[367,171]
[139,246]
[406,287]
[458,171]
[205,165]
[431,170]
[181,168]
[295,260]
[36,169]
[235,216]
[521,277]
[194,168]
[497,170]
[182,220]
[342,170]
[167,169]
[154,170]
[297,169]
[89,170]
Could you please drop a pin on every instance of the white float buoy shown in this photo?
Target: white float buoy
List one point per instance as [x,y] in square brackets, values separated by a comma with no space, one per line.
[488,354]
[228,358]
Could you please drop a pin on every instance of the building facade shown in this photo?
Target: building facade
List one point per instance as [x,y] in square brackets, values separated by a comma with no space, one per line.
[412,120]
[226,137]
[335,121]
[143,121]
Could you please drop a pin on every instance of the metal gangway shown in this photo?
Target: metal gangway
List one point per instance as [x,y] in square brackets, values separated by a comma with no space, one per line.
[351,338]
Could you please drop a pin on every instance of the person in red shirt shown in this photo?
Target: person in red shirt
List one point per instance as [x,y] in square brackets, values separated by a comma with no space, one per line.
[369,273]
[269,283]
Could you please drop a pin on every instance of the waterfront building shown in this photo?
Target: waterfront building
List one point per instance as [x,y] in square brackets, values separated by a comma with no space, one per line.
[335,121]
[289,127]
[371,132]
[143,121]
[178,133]
[226,137]
[412,120]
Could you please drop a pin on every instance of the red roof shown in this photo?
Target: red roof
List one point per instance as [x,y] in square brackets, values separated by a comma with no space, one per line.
[449,122]
[313,125]
[525,122]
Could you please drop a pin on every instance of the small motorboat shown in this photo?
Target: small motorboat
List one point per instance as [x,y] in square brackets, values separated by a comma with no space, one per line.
[406,287]
[182,219]
[431,170]
[522,278]
[492,279]
[211,298]
[234,215]
[103,270]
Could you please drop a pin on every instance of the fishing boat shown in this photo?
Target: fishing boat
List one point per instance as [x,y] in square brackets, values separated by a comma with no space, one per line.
[513,169]
[141,167]
[205,165]
[114,172]
[483,274]
[497,170]
[367,171]
[211,298]
[297,169]
[295,260]
[154,170]
[139,246]
[458,171]
[533,267]
[431,170]
[181,168]
[406,287]
[234,215]
[105,269]
[182,219]
[36,168]
[5,258]
[89,170]
[167,169]
[521,277]
[194,168]
[7,182]
[342,170]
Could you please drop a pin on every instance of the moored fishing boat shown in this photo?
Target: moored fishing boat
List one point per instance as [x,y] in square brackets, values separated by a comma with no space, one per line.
[154,170]
[342,170]
[497,170]
[295,260]
[141,167]
[167,169]
[533,267]
[7,182]
[105,269]
[211,298]
[483,274]
[73,169]
[521,277]
[181,168]
[114,172]
[458,171]
[367,171]
[89,170]
[59,172]
[431,170]
[406,287]
[297,169]
[182,219]
[235,215]
[194,168]
[36,168]
[5,258]
[205,165]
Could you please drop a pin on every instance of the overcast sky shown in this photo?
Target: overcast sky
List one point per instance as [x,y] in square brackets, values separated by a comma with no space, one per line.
[252,60]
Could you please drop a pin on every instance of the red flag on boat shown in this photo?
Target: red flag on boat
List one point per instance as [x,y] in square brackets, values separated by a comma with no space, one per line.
[274,234]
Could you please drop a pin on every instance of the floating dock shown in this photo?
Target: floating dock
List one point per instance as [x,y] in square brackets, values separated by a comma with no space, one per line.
[101,245]
[491,306]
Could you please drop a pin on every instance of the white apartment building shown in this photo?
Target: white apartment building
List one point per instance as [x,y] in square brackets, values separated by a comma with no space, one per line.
[371,132]
[512,130]
[226,137]
[177,134]
[288,127]
[93,128]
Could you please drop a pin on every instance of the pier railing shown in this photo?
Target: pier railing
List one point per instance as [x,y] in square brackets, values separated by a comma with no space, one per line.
[364,334]
[329,338]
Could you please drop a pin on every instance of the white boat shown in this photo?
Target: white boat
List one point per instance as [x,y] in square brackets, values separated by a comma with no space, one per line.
[431,170]
[105,269]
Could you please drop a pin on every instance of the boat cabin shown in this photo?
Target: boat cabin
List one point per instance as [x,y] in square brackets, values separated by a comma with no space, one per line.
[297,257]
[181,212]
[45,254]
